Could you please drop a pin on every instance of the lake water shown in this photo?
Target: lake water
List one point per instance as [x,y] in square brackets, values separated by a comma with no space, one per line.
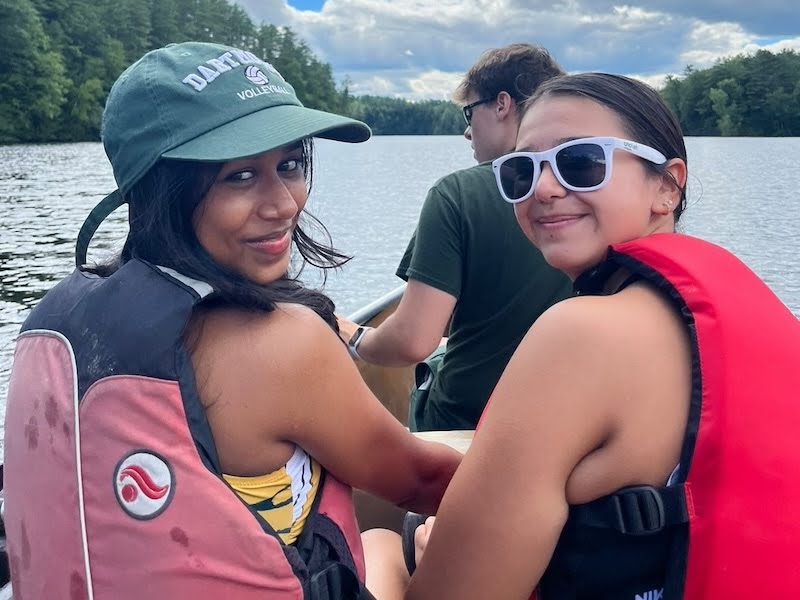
[742,195]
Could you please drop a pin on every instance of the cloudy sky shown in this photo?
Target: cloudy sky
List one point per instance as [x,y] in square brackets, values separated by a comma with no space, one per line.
[420,48]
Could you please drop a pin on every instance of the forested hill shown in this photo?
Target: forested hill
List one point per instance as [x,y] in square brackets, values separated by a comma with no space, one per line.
[756,95]
[60,58]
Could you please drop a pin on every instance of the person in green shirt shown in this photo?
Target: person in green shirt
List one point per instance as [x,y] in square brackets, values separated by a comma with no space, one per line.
[468,263]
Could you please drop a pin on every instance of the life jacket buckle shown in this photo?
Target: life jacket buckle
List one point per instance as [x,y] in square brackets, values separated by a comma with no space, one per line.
[639,510]
[335,582]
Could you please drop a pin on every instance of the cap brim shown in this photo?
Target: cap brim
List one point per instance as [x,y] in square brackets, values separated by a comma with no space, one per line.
[266,130]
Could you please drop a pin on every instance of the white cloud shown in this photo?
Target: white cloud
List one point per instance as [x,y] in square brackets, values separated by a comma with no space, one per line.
[409,84]
[434,84]
[712,42]
[779,46]
[656,81]
[375,85]
[708,42]
[420,49]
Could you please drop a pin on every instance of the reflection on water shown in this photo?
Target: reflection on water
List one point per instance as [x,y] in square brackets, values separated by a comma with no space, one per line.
[368,195]
[45,191]
[744,192]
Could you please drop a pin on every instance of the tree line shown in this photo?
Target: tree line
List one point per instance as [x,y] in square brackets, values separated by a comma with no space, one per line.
[757,95]
[61,57]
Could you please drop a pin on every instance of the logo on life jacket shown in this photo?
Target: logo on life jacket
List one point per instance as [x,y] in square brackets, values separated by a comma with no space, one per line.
[144,484]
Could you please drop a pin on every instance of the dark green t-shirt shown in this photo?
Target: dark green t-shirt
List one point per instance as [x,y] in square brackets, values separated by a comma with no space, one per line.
[468,244]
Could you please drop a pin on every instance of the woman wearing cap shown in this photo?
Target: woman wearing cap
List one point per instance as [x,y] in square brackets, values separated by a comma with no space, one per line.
[191,401]
[637,444]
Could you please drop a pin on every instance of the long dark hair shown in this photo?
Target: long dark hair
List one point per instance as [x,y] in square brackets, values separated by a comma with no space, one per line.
[161,205]
[640,108]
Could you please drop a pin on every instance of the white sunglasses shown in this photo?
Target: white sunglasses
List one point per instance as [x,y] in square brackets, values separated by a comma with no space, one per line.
[581,165]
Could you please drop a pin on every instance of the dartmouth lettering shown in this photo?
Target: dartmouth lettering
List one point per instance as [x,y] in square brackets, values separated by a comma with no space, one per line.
[211,69]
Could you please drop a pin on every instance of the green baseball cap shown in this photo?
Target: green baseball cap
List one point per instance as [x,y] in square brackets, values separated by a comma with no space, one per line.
[202,102]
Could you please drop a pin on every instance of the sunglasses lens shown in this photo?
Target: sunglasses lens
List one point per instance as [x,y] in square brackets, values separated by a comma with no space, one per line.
[582,165]
[516,177]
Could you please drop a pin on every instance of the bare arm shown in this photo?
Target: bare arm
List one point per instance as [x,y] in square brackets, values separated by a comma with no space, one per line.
[560,408]
[411,333]
[323,405]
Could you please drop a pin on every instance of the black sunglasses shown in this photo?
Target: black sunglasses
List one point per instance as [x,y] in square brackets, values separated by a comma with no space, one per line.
[467,110]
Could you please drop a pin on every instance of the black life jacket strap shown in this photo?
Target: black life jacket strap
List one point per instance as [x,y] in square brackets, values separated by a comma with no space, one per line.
[336,582]
[637,510]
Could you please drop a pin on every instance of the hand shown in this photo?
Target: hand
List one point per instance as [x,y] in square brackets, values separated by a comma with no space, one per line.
[346,328]
[421,536]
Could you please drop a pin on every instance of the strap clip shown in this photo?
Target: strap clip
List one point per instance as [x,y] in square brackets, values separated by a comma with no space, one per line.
[638,510]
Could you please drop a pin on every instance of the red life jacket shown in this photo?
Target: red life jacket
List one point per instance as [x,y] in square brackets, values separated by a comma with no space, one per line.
[112,483]
[729,526]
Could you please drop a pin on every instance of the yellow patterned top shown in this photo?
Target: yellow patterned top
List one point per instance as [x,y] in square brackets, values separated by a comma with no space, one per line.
[284,497]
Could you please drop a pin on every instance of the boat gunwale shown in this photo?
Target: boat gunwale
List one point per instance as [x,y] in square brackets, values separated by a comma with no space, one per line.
[366,313]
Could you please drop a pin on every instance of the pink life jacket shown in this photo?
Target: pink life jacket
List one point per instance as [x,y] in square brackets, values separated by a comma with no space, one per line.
[728,524]
[112,483]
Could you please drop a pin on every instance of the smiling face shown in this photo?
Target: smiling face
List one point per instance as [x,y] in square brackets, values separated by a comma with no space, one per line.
[246,220]
[574,229]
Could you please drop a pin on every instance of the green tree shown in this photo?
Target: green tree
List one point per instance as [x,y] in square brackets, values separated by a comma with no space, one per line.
[396,116]
[77,29]
[235,26]
[164,23]
[129,22]
[784,110]
[723,103]
[32,89]
[755,95]
[311,79]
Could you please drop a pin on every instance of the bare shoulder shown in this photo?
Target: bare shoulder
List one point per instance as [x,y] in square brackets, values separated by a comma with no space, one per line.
[295,333]
[301,319]
[242,340]
[636,314]
[594,370]
[604,348]
[573,327]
